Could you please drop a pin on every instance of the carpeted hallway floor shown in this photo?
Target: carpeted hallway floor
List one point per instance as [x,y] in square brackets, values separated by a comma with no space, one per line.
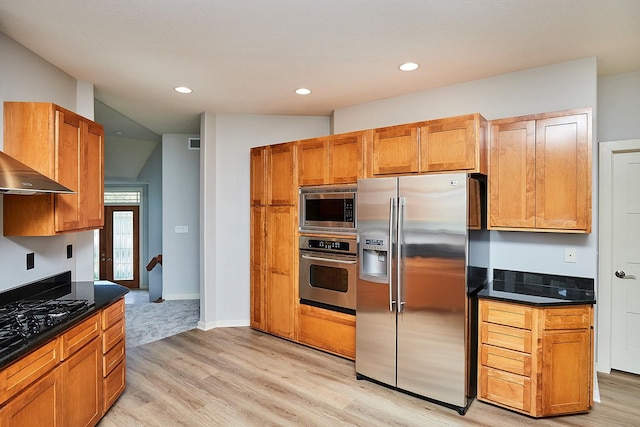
[149,321]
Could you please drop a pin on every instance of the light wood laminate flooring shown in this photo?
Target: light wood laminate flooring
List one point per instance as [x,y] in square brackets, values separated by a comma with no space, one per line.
[241,377]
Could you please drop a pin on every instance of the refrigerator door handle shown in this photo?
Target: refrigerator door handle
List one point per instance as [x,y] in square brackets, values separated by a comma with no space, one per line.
[401,202]
[392,205]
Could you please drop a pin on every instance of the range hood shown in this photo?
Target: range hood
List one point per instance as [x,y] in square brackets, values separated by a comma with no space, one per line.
[18,178]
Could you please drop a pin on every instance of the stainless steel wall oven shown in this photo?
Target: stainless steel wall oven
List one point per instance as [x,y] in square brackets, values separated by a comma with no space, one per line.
[328,272]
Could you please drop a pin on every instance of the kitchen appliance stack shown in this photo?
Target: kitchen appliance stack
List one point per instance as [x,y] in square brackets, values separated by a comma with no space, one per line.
[423,253]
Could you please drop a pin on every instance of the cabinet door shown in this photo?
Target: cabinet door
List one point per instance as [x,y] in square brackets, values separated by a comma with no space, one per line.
[449,145]
[258,175]
[395,150]
[38,405]
[312,162]
[563,173]
[566,367]
[281,175]
[346,159]
[512,201]
[67,128]
[82,386]
[258,265]
[281,295]
[92,176]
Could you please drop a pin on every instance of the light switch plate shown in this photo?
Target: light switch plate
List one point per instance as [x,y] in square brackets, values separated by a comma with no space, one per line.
[181,228]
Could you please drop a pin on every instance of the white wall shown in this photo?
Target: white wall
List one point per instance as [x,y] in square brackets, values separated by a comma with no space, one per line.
[151,174]
[180,208]
[25,76]
[226,140]
[619,107]
[556,87]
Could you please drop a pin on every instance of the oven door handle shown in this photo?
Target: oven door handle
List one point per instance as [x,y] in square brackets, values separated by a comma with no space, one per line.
[339,261]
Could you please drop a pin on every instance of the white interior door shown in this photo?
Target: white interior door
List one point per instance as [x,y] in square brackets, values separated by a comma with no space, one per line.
[625,331]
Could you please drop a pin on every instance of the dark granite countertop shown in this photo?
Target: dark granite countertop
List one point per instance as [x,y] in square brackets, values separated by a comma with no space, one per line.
[539,289]
[101,294]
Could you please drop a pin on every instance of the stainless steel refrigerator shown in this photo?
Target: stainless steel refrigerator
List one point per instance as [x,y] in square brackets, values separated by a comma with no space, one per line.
[423,252]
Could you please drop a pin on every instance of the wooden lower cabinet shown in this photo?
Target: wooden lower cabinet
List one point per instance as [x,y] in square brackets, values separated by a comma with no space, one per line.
[328,330]
[535,360]
[70,381]
[40,404]
[82,386]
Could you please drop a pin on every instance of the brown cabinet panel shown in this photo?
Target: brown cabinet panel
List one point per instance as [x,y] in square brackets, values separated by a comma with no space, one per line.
[259,176]
[113,386]
[79,336]
[395,150]
[258,263]
[313,162]
[328,330]
[346,158]
[113,358]
[281,174]
[82,386]
[112,314]
[512,174]
[453,144]
[512,391]
[514,315]
[281,272]
[563,173]
[38,405]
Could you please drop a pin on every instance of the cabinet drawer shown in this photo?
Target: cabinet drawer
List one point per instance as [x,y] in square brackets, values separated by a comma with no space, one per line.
[113,357]
[506,389]
[506,337]
[111,336]
[112,314]
[113,386]
[19,375]
[79,336]
[567,318]
[328,330]
[506,360]
[518,316]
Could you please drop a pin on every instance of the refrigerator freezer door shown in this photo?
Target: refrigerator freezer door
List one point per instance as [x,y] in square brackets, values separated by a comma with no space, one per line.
[431,325]
[375,306]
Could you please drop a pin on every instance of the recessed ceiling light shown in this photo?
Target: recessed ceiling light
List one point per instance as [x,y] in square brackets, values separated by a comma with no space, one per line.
[303,91]
[183,89]
[409,66]
[118,132]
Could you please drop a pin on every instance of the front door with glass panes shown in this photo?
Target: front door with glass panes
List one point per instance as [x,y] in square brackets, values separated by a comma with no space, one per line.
[118,246]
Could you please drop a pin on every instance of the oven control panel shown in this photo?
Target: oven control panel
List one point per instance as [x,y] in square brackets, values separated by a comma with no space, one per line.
[347,246]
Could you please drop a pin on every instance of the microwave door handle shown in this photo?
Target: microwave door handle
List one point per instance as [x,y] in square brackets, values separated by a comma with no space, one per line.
[339,261]
[392,206]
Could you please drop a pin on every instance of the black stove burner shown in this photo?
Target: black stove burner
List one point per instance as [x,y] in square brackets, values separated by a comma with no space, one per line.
[22,320]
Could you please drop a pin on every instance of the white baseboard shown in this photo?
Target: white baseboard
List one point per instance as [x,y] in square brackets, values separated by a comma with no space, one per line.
[205,326]
[181,296]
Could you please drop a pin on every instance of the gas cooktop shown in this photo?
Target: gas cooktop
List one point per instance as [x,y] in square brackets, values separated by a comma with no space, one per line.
[22,321]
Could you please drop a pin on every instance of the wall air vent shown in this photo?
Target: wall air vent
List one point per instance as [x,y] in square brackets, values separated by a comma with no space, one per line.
[194,143]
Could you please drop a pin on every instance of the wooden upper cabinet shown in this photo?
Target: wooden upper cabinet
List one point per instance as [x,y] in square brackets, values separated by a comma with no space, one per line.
[540,172]
[395,150]
[281,174]
[563,172]
[454,144]
[65,147]
[313,161]
[512,174]
[335,159]
[258,176]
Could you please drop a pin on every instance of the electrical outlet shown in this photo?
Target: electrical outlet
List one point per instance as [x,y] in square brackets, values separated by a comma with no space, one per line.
[31,261]
[69,251]
[569,254]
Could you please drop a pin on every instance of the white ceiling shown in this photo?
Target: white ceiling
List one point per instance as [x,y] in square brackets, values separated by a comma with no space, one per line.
[244,56]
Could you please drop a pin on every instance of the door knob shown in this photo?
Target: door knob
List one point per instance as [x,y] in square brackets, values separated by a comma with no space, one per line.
[621,275]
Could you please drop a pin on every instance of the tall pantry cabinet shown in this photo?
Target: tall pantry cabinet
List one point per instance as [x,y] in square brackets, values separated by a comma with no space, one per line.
[273,261]
[65,147]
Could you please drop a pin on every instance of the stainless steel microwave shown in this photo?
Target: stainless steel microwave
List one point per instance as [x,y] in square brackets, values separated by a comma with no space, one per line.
[328,209]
